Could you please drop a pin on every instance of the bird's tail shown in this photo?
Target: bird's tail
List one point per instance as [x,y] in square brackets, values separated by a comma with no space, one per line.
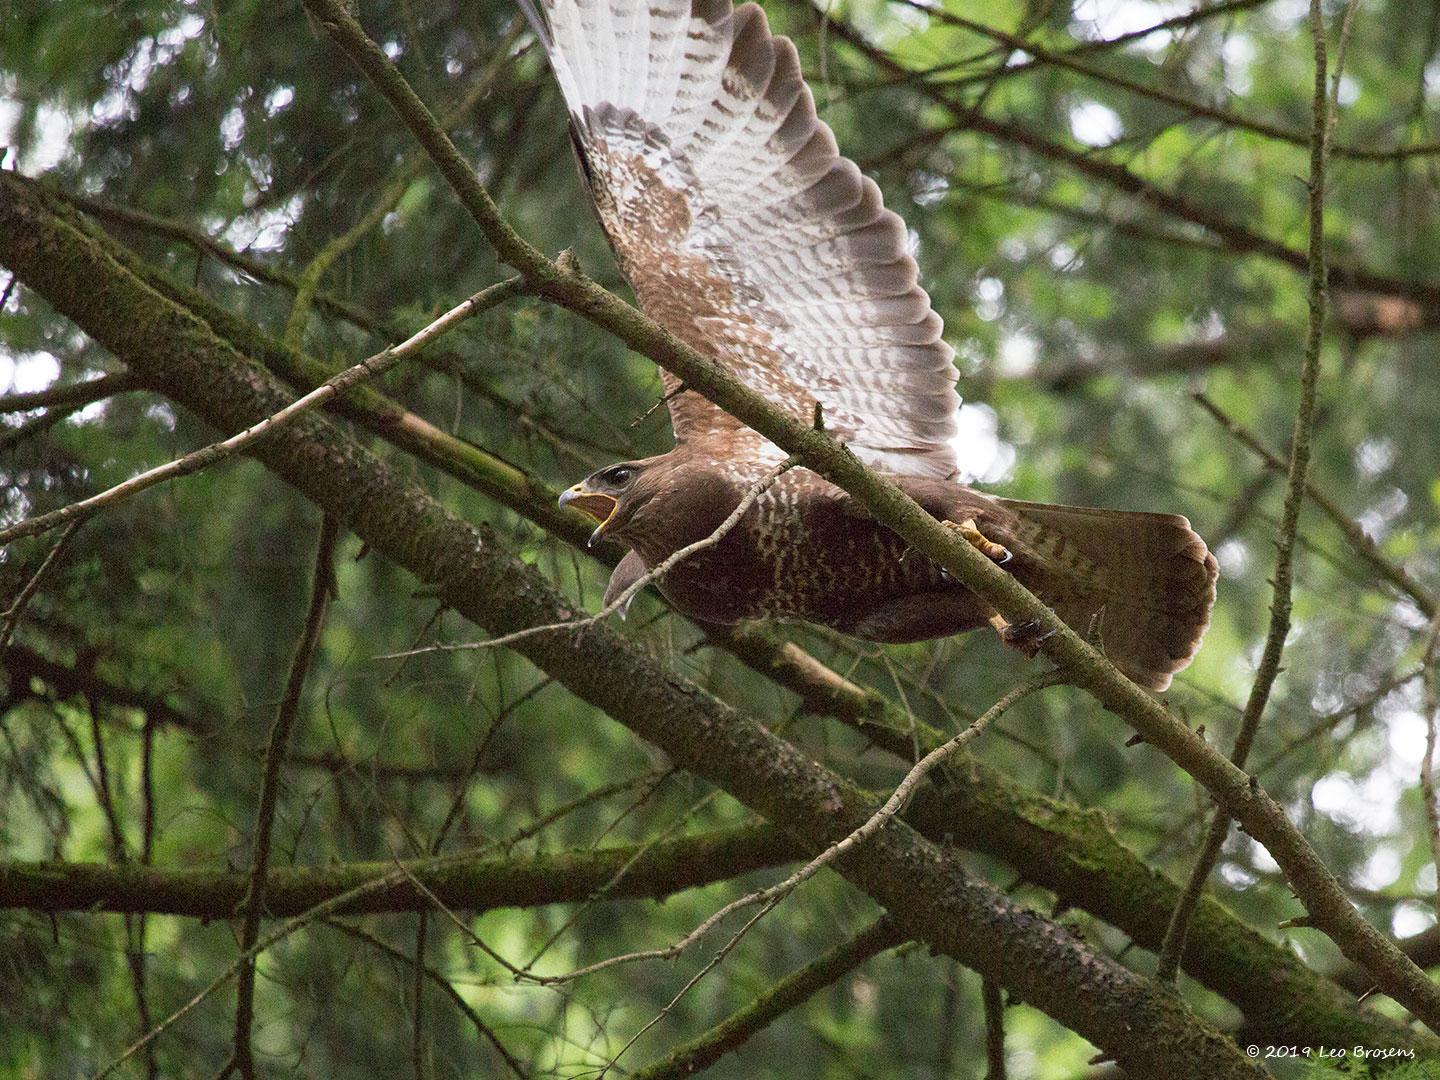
[1142,584]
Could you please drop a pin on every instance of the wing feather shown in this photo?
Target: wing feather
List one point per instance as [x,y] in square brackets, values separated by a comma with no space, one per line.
[746,233]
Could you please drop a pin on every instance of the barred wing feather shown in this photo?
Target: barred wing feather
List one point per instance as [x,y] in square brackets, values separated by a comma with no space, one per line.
[745,233]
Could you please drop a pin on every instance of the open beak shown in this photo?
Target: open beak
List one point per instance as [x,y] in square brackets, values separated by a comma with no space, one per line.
[594,504]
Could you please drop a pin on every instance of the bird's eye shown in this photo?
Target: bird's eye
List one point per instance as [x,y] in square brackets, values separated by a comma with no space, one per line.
[620,475]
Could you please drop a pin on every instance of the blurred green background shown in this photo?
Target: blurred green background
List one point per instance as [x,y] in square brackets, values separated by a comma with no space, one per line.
[1084,318]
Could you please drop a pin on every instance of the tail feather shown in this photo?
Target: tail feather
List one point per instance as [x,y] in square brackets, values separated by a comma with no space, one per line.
[1144,583]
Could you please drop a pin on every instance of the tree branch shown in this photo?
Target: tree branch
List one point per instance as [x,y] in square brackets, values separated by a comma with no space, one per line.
[1360,543]
[462,882]
[253,905]
[787,994]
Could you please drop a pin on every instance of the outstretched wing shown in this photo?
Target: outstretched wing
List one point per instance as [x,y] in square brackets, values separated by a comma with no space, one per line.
[745,233]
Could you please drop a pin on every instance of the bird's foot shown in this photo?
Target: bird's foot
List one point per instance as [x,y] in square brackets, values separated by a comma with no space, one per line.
[969,531]
[1026,637]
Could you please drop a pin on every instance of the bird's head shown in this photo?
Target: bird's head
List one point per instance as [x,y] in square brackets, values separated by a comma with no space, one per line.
[610,496]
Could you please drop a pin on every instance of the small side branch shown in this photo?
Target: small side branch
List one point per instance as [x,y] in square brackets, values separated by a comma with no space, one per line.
[1360,543]
[1322,115]
[789,993]
[484,1029]
[275,750]
[206,456]
[15,611]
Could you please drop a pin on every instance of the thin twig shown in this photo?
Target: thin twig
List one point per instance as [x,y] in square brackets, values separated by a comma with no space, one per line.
[1235,236]
[209,455]
[622,601]
[787,994]
[319,911]
[275,749]
[892,806]
[16,611]
[439,980]
[708,967]
[1177,23]
[1189,106]
[770,897]
[1173,946]
[1359,542]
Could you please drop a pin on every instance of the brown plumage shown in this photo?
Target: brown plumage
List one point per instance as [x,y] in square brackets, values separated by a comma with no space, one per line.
[743,231]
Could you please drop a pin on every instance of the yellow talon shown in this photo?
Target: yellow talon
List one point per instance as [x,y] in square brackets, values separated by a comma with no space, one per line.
[998,553]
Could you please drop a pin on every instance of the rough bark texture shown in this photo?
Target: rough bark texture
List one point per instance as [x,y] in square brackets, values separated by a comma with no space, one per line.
[1147,1030]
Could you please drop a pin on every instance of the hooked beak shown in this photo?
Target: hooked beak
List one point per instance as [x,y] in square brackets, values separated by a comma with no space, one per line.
[595,504]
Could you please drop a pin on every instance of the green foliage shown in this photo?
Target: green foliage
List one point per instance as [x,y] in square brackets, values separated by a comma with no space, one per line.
[1074,309]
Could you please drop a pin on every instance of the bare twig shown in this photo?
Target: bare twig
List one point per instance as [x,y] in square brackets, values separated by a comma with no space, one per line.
[620,602]
[209,455]
[279,742]
[785,995]
[439,980]
[15,611]
[1173,947]
[774,893]
[1359,542]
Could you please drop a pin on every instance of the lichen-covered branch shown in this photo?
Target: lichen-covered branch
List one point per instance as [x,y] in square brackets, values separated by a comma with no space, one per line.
[462,882]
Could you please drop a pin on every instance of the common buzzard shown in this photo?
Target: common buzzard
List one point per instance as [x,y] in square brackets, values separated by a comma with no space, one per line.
[745,232]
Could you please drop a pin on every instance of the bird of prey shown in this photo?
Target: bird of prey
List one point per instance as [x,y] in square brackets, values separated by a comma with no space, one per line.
[744,232]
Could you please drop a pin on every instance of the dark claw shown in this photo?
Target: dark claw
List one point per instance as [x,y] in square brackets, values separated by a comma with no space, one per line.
[1026,637]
